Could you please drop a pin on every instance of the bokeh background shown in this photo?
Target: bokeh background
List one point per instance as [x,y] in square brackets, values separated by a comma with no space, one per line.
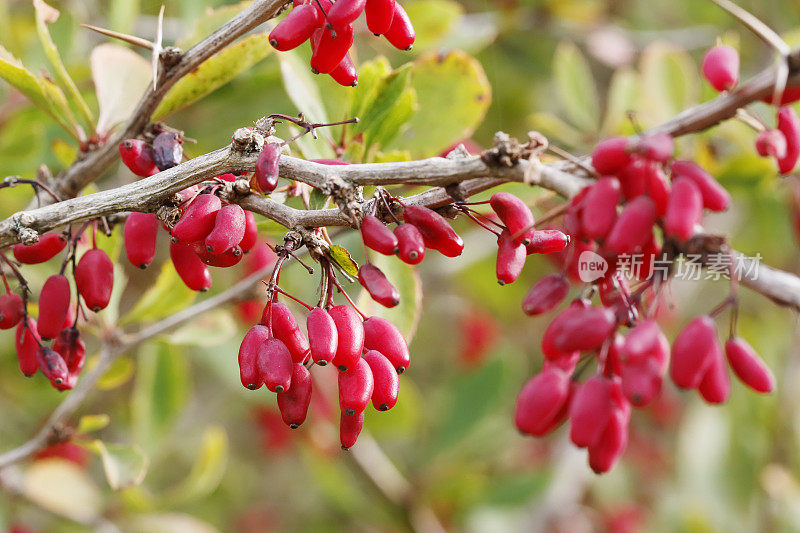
[200,453]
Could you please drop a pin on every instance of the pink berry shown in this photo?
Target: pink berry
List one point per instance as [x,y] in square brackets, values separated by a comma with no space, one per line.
[411,245]
[323,338]
[684,209]
[274,364]
[53,306]
[140,234]
[43,250]
[387,382]
[379,15]
[198,220]
[286,329]
[94,279]
[721,67]
[540,401]
[633,227]
[590,411]
[515,214]
[296,28]
[748,366]
[547,241]
[510,258]
[715,197]
[11,310]
[611,155]
[267,167]
[378,287]
[771,143]
[693,352]
[248,356]
[381,335]
[545,295]
[436,231]
[600,208]
[789,125]
[293,403]
[349,429]
[138,156]
[229,227]
[377,236]
[192,271]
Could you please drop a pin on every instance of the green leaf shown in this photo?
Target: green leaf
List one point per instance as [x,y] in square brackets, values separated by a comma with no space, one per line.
[120,77]
[402,420]
[213,73]
[90,423]
[575,87]
[342,258]
[62,487]
[118,374]
[124,465]
[406,279]
[209,329]
[160,392]
[472,396]
[453,96]
[433,19]
[211,20]
[123,14]
[167,296]
[370,80]
[301,87]
[390,110]
[623,95]
[670,81]
[42,92]
[64,152]
[208,469]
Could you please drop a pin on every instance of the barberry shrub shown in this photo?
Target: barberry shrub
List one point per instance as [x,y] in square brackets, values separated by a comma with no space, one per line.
[234,281]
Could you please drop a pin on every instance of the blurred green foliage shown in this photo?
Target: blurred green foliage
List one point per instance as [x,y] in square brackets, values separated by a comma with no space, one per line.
[185,448]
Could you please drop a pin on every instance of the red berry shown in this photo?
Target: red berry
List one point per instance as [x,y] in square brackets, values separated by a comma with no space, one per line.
[715,387]
[379,15]
[541,400]
[72,348]
[345,74]
[771,143]
[635,176]
[515,215]
[45,249]
[344,12]
[11,310]
[140,234]
[323,339]
[228,258]
[411,245]
[286,329]
[721,67]
[657,147]
[643,359]
[274,363]
[296,28]
[715,197]
[600,208]
[611,155]
[401,33]
[248,356]
[167,150]
[611,444]
[53,306]
[633,227]
[190,268]
[584,329]
[376,284]
[510,258]
[250,238]
[267,167]
[26,343]
[350,330]
[355,388]
[789,125]
[385,378]
[229,227]
[590,411]
[377,236]
[545,295]
[684,210]
[748,366]
[693,352]
[198,220]
[52,366]
[436,231]
[138,157]
[555,327]
[94,279]
[293,403]
[547,241]
[349,429]
[658,190]
[329,51]
[381,335]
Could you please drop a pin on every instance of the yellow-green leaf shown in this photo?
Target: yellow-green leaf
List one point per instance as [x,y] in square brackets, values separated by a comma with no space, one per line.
[208,469]
[342,258]
[167,295]
[213,73]
[118,374]
[670,81]
[89,423]
[124,465]
[623,96]
[209,329]
[433,19]
[575,87]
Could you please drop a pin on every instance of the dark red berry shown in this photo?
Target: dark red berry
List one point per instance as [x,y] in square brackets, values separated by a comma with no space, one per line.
[515,215]
[140,234]
[789,125]
[268,166]
[350,331]
[344,12]
[296,28]
[286,329]
[547,241]
[381,335]
[94,279]
[436,231]
[541,400]
[378,237]
[11,310]
[138,157]
[198,220]
[228,258]
[274,363]
[323,338]
[345,74]
[545,295]
[248,356]
[167,150]
[376,284]
[229,228]
[355,388]
[411,245]
[72,348]
[45,249]
[590,411]
[401,33]
[387,382]
[329,51]
[190,268]
[53,306]
[633,227]
[52,366]
[379,15]
[293,403]
[26,343]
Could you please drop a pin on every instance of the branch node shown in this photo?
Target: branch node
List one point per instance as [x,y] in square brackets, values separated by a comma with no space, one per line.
[246,140]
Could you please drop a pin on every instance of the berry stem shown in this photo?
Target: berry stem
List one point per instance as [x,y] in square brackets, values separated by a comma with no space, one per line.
[298,300]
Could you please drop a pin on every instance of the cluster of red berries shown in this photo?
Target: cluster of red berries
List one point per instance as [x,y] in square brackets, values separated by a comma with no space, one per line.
[329,27]
[144,159]
[368,353]
[93,275]
[721,69]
